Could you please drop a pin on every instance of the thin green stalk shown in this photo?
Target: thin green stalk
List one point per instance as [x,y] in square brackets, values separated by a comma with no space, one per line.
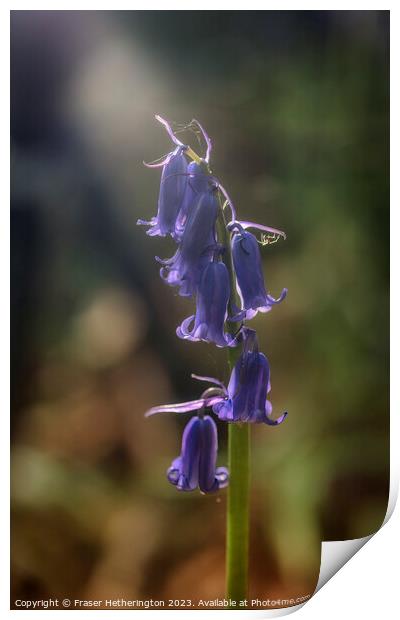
[237,533]
[237,524]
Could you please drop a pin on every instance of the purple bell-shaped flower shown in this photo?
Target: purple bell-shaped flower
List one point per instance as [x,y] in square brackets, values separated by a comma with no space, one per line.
[211,308]
[249,275]
[196,465]
[198,182]
[196,248]
[249,384]
[174,179]
[245,398]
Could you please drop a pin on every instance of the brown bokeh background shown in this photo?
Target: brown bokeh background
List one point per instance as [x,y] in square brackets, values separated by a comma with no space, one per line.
[297,106]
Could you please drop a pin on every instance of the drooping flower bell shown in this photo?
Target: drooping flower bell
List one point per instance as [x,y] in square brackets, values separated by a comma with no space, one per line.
[249,384]
[211,308]
[198,182]
[196,248]
[196,465]
[249,275]
[245,398]
[174,179]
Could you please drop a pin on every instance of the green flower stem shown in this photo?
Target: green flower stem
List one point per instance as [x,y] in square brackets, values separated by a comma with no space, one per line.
[237,523]
[237,532]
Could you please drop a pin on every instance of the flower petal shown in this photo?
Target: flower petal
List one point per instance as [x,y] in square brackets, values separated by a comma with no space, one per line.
[208,455]
[191,405]
[274,231]
[183,330]
[222,476]
[279,420]
[281,297]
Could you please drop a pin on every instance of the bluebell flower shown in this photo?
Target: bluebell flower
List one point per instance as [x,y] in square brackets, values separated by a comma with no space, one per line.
[198,182]
[174,179]
[211,308]
[196,465]
[245,398]
[249,275]
[188,208]
[196,248]
[249,384]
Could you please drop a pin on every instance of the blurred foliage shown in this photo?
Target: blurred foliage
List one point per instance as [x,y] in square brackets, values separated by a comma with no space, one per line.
[297,106]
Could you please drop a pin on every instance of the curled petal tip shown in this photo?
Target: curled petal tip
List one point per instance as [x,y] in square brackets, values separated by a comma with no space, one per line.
[279,420]
[148,165]
[278,300]
[222,477]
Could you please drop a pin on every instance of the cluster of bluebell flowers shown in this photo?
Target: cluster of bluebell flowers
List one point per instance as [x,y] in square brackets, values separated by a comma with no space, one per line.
[192,209]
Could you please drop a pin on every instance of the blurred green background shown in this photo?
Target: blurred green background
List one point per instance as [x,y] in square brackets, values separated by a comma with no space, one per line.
[297,106]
